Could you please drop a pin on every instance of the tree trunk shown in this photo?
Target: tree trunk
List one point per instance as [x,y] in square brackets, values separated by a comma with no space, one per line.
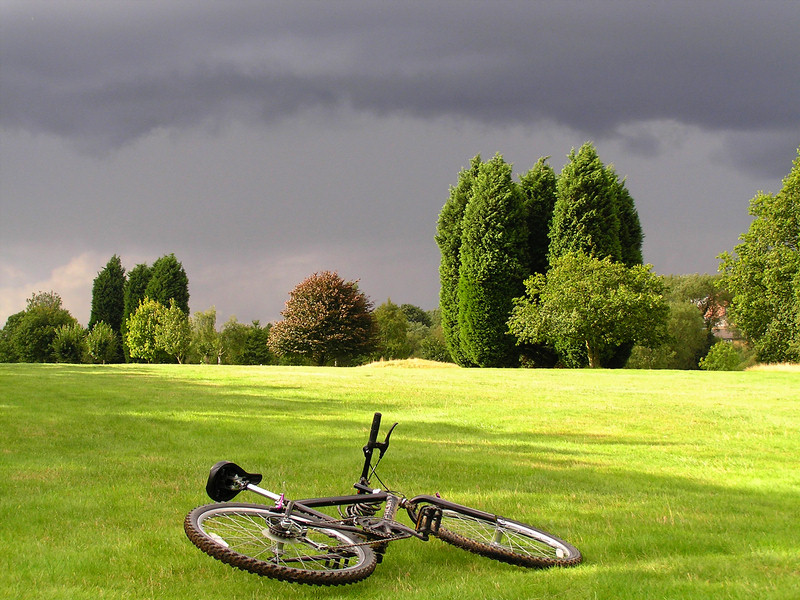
[594,356]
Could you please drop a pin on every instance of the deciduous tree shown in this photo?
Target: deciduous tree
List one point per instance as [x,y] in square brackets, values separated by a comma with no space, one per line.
[763,275]
[142,328]
[173,332]
[134,294]
[597,303]
[206,342]
[326,320]
[69,344]
[392,326]
[102,343]
[34,333]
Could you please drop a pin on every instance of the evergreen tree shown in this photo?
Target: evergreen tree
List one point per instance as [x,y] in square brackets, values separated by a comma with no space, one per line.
[169,282]
[538,188]
[108,296]
[256,347]
[448,238]
[631,235]
[586,215]
[491,272]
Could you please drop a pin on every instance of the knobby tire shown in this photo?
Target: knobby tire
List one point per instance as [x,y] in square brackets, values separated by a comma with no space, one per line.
[504,540]
[238,534]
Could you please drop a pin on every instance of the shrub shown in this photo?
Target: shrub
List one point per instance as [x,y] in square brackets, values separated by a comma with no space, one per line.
[69,344]
[723,356]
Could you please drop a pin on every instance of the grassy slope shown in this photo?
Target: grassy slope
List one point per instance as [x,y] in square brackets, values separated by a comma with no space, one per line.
[673,484]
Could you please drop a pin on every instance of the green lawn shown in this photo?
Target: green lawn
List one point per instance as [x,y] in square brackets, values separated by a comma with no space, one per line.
[672,484]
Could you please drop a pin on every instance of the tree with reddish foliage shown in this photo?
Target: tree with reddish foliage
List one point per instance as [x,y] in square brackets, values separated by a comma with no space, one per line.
[326,320]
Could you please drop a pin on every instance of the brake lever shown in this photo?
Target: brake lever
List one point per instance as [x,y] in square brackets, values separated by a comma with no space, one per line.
[382,447]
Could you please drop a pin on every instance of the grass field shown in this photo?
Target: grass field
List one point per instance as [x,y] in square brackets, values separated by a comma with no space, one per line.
[672,484]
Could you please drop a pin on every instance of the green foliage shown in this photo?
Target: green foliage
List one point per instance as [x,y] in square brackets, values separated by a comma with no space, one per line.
[102,343]
[108,295]
[134,294]
[393,327]
[34,332]
[723,356]
[764,275]
[256,348]
[415,314]
[595,303]
[491,272]
[538,188]
[233,337]
[687,341]
[586,213]
[69,344]
[174,334]
[706,292]
[448,238]
[168,281]
[206,342]
[326,320]
[8,346]
[631,235]
[141,330]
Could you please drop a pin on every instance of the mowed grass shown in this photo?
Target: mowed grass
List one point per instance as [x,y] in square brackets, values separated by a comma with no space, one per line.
[672,484]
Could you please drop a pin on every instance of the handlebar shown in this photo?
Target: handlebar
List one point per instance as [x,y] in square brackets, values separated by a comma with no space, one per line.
[373,444]
[373,433]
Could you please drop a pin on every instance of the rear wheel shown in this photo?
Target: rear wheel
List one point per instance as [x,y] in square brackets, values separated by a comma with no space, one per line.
[264,541]
[504,540]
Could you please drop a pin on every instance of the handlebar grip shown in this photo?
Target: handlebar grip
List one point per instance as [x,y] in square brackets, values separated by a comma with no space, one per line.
[376,425]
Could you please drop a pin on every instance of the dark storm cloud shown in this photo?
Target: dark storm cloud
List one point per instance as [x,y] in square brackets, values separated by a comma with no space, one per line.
[104,76]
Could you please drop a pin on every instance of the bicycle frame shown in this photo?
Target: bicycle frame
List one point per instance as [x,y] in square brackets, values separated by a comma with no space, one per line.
[236,479]
[296,541]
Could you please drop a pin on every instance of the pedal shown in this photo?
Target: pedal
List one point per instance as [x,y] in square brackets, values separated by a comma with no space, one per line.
[428,520]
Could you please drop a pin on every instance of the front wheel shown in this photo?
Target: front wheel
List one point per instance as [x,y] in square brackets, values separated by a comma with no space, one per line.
[502,539]
[264,541]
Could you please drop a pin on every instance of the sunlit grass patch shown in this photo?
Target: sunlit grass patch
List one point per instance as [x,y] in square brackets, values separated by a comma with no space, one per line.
[673,484]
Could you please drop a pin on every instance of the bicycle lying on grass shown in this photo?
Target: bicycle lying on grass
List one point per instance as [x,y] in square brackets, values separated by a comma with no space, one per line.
[294,542]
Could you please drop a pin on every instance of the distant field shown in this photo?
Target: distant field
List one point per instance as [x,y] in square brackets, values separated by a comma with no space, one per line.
[672,484]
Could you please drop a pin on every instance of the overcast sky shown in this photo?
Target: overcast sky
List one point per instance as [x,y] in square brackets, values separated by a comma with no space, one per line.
[262,141]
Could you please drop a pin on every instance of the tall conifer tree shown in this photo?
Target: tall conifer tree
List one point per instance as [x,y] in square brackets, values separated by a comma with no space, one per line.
[491,271]
[448,238]
[586,216]
[169,282]
[538,188]
[108,296]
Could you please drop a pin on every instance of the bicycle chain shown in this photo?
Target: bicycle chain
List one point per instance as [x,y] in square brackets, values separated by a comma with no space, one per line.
[384,538]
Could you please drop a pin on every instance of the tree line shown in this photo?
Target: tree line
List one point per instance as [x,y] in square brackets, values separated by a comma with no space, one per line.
[545,271]
[548,271]
[143,316]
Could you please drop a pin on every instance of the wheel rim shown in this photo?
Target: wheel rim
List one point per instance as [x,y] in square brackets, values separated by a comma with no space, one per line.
[505,535]
[304,547]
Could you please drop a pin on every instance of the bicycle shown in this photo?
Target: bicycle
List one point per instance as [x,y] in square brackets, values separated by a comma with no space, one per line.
[292,541]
